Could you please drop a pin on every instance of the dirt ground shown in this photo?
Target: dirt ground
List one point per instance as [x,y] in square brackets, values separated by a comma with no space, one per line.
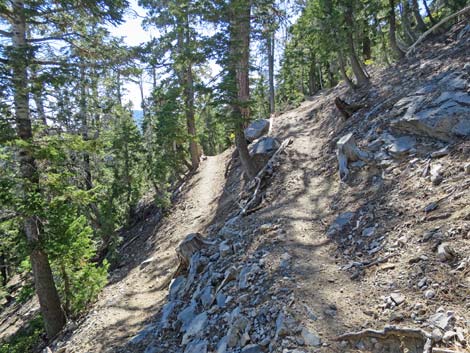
[133,297]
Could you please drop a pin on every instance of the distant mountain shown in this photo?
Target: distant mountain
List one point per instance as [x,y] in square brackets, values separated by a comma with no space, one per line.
[138,116]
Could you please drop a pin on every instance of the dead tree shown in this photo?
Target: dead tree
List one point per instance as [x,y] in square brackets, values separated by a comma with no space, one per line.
[345,108]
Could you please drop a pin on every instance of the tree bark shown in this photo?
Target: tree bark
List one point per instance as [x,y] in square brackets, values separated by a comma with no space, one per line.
[184,41]
[3,269]
[392,32]
[419,20]
[428,11]
[54,318]
[270,47]
[240,11]
[405,17]
[361,77]
[342,68]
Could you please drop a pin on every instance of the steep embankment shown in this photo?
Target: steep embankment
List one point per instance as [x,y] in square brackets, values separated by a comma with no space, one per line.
[320,257]
[132,298]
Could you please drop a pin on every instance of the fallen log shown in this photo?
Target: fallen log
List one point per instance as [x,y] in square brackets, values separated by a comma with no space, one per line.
[391,331]
[256,181]
[347,151]
[412,48]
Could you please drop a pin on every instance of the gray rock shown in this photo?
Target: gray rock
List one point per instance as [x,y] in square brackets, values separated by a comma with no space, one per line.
[221,300]
[310,339]
[151,349]
[284,325]
[397,298]
[448,335]
[368,232]
[340,223]
[256,129]
[197,346]
[207,297]
[430,293]
[236,329]
[398,146]
[196,327]
[175,287]
[252,348]
[265,146]
[225,249]
[467,168]
[167,310]
[143,334]
[187,315]
[227,232]
[436,174]
[222,345]
[444,117]
[431,207]
[445,252]
[441,320]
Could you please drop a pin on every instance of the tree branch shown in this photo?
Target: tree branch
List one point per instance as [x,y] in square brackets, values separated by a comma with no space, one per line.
[6,34]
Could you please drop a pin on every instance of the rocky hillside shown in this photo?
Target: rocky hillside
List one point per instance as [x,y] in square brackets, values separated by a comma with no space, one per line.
[376,262]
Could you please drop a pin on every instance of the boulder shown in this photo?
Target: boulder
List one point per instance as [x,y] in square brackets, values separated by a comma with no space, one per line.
[441,114]
[256,129]
[262,150]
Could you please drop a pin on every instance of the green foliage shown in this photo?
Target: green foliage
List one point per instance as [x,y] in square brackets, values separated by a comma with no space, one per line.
[26,339]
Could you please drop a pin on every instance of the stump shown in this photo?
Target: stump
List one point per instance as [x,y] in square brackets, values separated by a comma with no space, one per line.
[345,108]
[347,151]
[189,246]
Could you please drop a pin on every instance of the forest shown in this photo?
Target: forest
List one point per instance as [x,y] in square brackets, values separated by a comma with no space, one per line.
[76,165]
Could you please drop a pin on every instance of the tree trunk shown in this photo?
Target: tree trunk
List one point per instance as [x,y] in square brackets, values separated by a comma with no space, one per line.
[270,42]
[405,17]
[84,121]
[331,77]
[392,32]
[53,316]
[342,68]
[361,77]
[366,44]
[3,270]
[428,11]
[240,11]
[312,77]
[184,41]
[419,20]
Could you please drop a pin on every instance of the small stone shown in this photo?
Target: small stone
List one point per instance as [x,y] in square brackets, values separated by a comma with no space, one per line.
[187,315]
[445,252]
[197,346]
[207,297]
[252,348]
[466,168]
[441,320]
[225,249]
[310,339]
[431,207]
[436,174]
[398,298]
[221,300]
[429,294]
[266,228]
[175,287]
[448,335]
[368,232]
[196,327]
[436,335]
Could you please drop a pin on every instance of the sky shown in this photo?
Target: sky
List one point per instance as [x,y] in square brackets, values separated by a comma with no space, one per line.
[133,34]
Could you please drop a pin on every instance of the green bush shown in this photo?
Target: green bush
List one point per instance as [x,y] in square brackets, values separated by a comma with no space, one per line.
[26,339]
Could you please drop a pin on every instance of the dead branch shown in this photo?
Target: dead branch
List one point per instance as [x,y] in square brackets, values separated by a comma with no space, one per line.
[346,109]
[389,331]
[256,182]
[412,48]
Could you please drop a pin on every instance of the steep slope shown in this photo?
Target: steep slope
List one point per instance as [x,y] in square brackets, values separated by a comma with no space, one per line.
[320,257]
[132,297]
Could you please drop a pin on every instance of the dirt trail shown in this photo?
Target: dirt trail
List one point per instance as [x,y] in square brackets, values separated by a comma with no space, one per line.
[132,298]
